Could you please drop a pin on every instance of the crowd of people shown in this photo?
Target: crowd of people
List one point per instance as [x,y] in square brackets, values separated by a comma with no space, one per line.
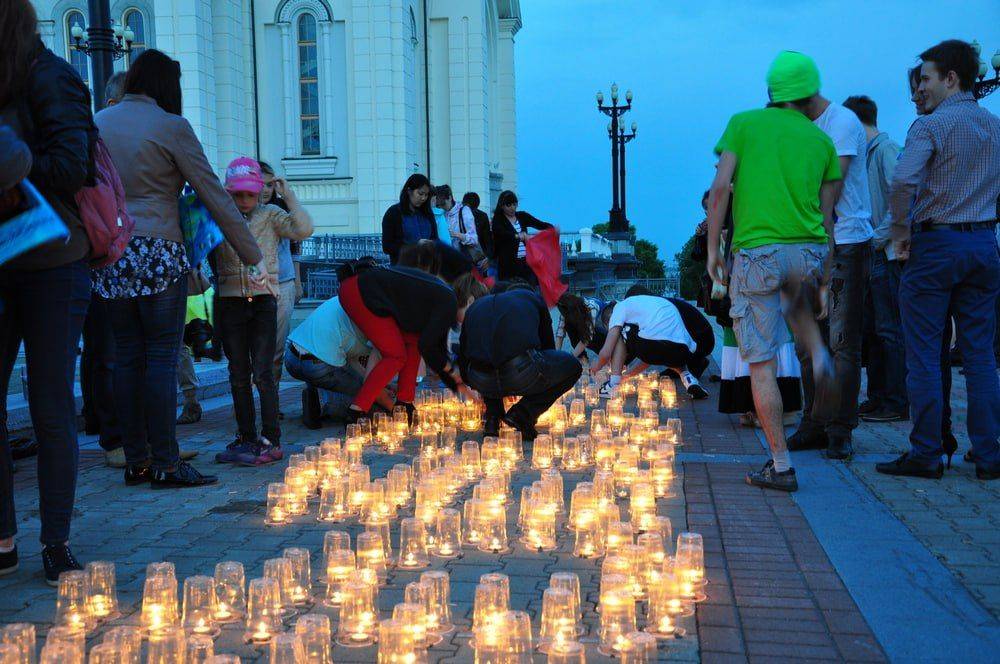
[463,299]
[819,227]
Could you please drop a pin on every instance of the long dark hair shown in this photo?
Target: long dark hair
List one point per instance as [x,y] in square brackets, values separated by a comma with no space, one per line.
[158,76]
[416,181]
[577,315]
[19,36]
[423,255]
[506,196]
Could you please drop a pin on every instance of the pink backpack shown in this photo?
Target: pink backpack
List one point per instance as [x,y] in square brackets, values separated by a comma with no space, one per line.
[102,210]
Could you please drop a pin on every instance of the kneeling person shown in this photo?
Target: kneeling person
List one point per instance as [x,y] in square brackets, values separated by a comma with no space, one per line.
[659,331]
[507,348]
[328,353]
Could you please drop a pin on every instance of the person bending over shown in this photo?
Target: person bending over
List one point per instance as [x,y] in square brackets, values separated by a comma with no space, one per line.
[658,331]
[406,313]
[507,348]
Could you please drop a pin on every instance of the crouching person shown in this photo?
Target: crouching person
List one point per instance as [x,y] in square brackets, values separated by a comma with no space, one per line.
[331,356]
[507,348]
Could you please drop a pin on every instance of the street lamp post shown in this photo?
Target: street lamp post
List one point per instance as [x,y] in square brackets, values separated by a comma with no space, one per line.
[105,43]
[985,86]
[616,219]
[623,138]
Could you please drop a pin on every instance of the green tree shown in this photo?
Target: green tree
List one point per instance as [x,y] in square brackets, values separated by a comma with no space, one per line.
[647,253]
[690,271]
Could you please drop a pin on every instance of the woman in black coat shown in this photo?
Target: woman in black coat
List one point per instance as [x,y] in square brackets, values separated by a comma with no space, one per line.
[510,232]
[410,220]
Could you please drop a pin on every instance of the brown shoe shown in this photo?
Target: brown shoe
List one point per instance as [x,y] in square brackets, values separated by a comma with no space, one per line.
[187,455]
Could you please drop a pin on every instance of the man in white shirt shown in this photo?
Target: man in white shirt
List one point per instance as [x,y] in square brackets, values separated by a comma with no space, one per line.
[829,417]
[660,332]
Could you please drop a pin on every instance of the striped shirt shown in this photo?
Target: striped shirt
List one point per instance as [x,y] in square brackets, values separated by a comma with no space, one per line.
[949,171]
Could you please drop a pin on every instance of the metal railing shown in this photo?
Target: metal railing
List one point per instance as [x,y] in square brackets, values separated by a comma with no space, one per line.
[615,290]
[342,247]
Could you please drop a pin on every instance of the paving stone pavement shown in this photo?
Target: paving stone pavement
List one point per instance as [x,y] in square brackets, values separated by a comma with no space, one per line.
[773,593]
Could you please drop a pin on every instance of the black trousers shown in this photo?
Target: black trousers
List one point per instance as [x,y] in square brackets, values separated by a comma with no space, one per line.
[249,329]
[97,372]
[538,377]
[671,354]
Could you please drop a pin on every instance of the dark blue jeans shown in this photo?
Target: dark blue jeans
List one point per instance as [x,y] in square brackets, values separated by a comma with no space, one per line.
[248,329]
[97,372]
[338,385]
[147,337]
[960,272]
[45,309]
[888,360]
[538,377]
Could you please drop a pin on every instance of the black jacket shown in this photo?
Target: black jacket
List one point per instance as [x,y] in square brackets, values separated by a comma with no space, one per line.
[483,232]
[55,120]
[505,240]
[392,232]
[498,328]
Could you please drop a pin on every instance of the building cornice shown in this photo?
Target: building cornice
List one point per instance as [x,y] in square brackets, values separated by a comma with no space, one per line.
[509,13]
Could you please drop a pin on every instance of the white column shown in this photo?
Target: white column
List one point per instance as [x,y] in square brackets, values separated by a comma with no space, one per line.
[507,103]
[326,87]
[291,88]
[47,31]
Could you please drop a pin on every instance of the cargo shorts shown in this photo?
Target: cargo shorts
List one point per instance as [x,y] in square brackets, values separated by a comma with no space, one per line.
[758,278]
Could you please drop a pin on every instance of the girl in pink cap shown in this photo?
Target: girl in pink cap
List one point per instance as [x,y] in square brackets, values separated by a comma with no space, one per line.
[247,313]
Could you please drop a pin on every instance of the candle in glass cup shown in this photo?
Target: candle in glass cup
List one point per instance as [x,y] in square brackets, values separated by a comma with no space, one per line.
[487,607]
[617,621]
[22,638]
[558,621]
[339,565]
[412,544]
[126,641]
[159,603]
[315,633]
[102,604]
[371,554]
[102,653]
[263,610]
[200,606]
[358,617]
[72,609]
[277,504]
[66,640]
[280,570]
[421,593]
[413,616]
[542,454]
[301,575]
[494,528]
[638,648]
[660,619]
[333,501]
[230,592]
[440,598]
[381,531]
[286,649]
[60,653]
[396,644]
[690,559]
[200,647]
[167,646]
[449,533]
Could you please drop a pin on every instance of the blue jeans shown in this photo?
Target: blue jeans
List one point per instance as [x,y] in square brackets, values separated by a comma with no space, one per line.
[337,385]
[959,271]
[46,309]
[97,373]
[148,332]
[888,360]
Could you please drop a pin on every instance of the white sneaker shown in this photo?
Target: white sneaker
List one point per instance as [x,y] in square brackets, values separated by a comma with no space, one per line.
[608,391]
[693,387]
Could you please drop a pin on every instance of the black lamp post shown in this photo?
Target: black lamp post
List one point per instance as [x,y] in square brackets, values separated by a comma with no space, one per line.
[985,86]
[105,43]
[616,220]
[623,138]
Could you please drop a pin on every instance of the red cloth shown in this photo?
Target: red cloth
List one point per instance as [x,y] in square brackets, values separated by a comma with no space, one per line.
[544,256]
[400,355]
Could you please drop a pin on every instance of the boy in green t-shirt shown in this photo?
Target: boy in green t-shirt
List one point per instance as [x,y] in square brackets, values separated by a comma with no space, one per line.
[786,178]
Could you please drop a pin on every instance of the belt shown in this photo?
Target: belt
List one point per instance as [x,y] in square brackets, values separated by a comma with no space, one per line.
[302,355]
[965,227]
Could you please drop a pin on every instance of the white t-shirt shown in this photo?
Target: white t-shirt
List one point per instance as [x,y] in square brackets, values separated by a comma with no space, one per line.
[854,209]
[656,317]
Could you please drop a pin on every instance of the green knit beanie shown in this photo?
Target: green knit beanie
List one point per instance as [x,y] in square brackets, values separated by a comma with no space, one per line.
[792,76]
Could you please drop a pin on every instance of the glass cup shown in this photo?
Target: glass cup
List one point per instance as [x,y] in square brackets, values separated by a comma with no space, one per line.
[638,648]
[440,597]
[412,544]
[301,575]
[559,618]
[689,562]
[286,649]
[617,620]
[71,604]
[334,540]
[413,617]
[420,594]
[21,637]
[371,553]
[570,652]
[103,601]
[263,610]
[314,632]
[167,646]
[277,507]
[200,606]
[230,592]
[159,603]
[61,653]
[127,642]
[280,569]
[488,605]
[102,653]
[199,648]
[449,534]
[223,659]
[339,565]
[357,622]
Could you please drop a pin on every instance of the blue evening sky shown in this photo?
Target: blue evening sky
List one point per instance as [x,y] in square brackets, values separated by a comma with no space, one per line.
[691,66]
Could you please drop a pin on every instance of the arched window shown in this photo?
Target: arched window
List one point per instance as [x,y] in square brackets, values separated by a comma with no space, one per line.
[137,24]
[308,84]
[79,60]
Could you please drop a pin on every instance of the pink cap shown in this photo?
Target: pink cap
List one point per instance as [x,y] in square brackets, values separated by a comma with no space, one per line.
[243,174]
